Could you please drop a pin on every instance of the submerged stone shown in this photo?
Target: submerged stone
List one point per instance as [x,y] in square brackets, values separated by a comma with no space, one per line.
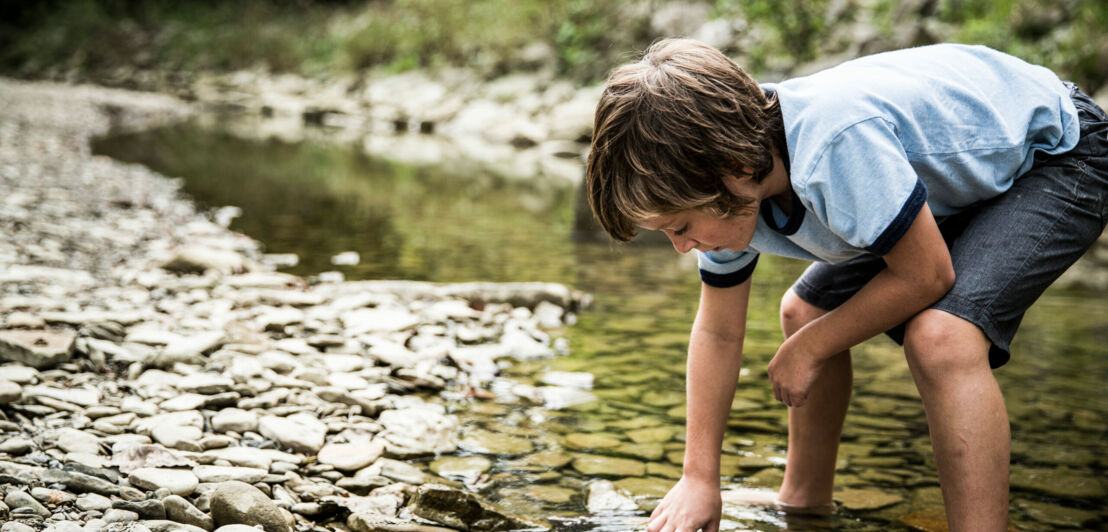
[462,510]
[608,466]
[860,499]
[1053,514]
[488,442]
[463,468]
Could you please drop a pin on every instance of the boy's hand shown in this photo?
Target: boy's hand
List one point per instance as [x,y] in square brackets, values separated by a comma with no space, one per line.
[690,506]
[792,371]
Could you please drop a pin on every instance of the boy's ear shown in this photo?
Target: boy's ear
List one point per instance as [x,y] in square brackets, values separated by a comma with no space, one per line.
[740,184]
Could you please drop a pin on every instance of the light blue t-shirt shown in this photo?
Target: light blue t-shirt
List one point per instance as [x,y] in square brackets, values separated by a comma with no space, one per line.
[874,138]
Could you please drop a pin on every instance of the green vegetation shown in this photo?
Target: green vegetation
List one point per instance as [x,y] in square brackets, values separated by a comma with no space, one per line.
[580,39]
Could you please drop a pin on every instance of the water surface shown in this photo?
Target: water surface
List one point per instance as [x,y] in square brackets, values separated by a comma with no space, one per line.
[316,199]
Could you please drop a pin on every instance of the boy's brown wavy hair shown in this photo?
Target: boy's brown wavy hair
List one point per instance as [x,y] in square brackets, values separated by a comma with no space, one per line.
[669,127]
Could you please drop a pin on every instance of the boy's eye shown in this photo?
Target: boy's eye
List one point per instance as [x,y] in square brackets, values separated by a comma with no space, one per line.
[682,230]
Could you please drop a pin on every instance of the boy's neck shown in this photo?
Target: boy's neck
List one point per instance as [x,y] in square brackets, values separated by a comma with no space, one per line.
[776,185]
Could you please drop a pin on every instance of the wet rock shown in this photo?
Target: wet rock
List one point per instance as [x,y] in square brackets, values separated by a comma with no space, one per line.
[489,442]
[180,510]
[351,456]
[591,440]
[594,465]
[372,522]
[604,496]
[10,392]
[38,349]
[240,503]
[1060,482]
[177,481]
[300,432]
[569,379]
[462,510]
[1057,515]
[861,499]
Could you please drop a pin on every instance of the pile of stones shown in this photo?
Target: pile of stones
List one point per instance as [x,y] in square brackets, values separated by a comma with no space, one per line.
[155,376]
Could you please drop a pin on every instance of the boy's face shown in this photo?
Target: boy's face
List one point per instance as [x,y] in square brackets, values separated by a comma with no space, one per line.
[696,229]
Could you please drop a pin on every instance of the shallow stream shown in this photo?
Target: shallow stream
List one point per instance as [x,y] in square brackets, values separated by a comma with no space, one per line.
[317,199]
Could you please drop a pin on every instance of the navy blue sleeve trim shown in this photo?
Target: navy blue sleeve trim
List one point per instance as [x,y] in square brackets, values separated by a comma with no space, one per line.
[902,222]
[727,280]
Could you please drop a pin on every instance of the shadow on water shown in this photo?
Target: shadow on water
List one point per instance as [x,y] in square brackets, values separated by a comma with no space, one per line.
[317,199]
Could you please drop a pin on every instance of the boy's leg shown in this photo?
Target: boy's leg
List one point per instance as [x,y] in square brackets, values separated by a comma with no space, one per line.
[814,428]
[949,360]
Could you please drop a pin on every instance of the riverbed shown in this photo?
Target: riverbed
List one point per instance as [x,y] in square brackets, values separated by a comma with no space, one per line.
[319,199]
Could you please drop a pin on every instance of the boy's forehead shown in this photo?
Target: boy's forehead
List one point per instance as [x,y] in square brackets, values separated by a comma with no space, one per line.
[655,223]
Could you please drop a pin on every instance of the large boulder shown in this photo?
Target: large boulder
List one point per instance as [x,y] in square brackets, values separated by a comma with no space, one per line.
[239,503]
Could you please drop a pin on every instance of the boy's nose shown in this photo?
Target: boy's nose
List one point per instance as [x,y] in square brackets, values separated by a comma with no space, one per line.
[682,244]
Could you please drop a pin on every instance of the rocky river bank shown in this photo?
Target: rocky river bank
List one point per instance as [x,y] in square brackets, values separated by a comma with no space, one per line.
[157,376]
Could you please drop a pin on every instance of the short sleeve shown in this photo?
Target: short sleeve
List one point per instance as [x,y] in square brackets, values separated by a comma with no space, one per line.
[724,269]
[863,187]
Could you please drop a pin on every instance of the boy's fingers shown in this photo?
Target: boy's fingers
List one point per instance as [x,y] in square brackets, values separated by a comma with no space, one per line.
[712,526]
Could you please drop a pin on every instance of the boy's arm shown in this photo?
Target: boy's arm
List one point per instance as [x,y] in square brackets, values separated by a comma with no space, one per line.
[715,356]
[919,273]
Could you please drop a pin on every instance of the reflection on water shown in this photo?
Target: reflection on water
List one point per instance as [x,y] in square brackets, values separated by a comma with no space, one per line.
[319,199]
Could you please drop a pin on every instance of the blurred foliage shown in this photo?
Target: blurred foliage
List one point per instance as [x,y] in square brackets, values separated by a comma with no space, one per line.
[579,39]
[1066,35]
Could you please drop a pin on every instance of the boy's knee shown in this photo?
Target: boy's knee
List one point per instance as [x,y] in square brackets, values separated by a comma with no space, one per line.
[940,345]
[796,313]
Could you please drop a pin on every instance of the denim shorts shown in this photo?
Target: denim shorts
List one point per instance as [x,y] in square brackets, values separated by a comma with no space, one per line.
[1008,249]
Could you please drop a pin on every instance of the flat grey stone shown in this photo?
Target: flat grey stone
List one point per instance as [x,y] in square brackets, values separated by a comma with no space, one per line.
[177,481]
[165,525]
[10,392]
[85,396]
[134,457]
[19,374]
[115,515]
[38,349]
[21,499]
[76,441]
[300,432]
[350,456]
[234,419]
[248,475]
[93,501]
[205,383]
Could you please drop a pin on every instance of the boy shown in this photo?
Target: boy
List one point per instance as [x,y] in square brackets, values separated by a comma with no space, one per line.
[939,191]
